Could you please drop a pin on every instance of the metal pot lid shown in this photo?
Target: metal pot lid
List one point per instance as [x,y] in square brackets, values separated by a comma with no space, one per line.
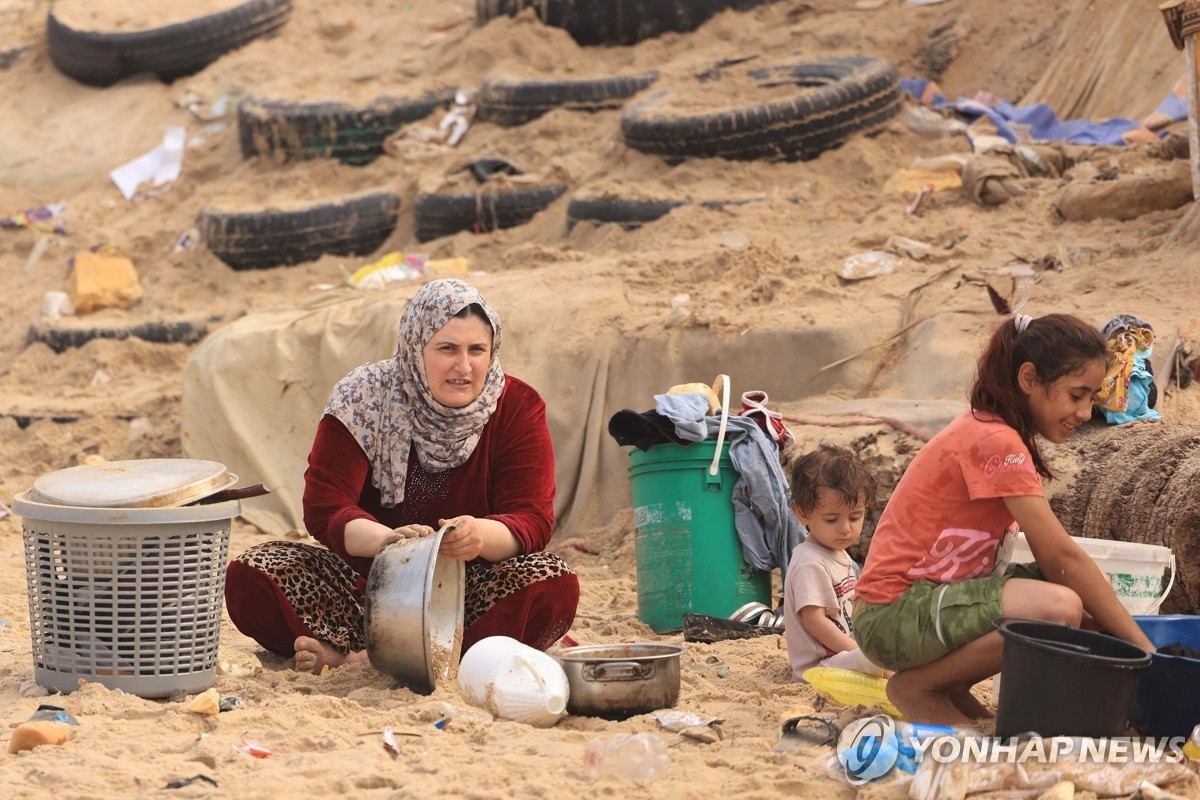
[142,483]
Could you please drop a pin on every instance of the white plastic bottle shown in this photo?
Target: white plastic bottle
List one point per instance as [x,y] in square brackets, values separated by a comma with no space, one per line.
[514,681]
[636,756]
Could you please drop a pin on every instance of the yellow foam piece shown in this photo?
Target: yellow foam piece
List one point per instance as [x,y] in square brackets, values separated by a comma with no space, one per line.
[851,688]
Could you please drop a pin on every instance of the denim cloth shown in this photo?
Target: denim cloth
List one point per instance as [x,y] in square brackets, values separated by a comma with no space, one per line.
[762,513]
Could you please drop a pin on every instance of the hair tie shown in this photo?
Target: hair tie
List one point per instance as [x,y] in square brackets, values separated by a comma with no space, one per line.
[1021,322]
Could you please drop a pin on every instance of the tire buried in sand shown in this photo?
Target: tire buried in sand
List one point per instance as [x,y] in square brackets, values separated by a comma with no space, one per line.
[835,98]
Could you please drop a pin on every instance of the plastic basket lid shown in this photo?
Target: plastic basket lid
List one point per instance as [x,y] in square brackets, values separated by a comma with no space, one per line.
[144,483]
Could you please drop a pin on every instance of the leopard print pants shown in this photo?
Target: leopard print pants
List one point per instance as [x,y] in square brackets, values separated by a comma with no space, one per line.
[323,589]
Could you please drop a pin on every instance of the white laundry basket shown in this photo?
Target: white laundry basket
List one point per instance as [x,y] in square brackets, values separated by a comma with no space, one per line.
[130,598]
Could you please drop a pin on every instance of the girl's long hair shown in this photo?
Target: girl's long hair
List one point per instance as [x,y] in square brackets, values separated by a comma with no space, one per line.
[1056,345]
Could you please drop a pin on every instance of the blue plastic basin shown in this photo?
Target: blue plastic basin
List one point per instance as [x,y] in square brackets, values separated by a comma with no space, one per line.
[1167,702]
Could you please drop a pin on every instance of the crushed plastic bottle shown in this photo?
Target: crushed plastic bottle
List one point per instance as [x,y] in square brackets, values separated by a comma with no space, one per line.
[636,756]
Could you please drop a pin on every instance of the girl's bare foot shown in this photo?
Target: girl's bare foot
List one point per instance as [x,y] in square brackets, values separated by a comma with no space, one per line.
[314,656]
[918,704]
[968,704]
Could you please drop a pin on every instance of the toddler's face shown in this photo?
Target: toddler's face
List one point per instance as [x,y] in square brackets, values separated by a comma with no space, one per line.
[833,524]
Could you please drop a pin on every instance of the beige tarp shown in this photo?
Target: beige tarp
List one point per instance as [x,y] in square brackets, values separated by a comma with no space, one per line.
[254,390]
[1112,58]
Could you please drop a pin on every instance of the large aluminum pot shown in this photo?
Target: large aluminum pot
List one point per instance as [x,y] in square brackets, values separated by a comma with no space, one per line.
[414,613]
[621,680]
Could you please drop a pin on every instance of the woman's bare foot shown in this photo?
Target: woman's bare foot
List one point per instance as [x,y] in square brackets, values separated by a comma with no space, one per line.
[968,704]
[314,656]
[918,704]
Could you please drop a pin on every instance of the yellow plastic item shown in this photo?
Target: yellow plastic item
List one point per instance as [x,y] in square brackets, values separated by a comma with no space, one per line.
[698,388]
[851,688]
[1191,748]
[390,260]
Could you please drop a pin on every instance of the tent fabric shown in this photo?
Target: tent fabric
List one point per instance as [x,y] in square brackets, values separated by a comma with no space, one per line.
[254,389]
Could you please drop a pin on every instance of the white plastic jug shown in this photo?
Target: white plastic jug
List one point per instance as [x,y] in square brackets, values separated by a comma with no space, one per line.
[514,681]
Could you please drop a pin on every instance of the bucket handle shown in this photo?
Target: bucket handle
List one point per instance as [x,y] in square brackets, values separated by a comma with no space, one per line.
[712,469]
[1167,591]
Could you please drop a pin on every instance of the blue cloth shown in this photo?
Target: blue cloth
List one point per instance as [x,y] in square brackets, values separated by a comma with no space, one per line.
[762,514]
[1137,405]
[687,411]
[1043,123]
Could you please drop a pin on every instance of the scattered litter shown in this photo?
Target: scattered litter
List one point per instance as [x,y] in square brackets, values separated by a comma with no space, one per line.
[102,281]
[950,162]
[182,782]
[250,747]
[50,218]
[56,304]
[4,510]
[48,725]
[457,121]
[232,703]
[925,121]
[483,168]
[159,167]
[917,207]
[389,743]
[869,265]
[395,266]
[680,310]
[48,713]
[36,253]
[923,2]
[914,179]
[678,720]
[36,733]
[204,134]
[187,240]
[237,669]
[1148,791]
[32,689]
[903,246]
[205,111]
[207,703]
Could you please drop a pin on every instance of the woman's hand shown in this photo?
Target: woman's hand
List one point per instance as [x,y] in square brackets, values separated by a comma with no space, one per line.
[405,532]
[472,537]
[463,539]
[365,538]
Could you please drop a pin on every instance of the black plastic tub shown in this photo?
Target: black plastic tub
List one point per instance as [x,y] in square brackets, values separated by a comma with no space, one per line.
[1064,681]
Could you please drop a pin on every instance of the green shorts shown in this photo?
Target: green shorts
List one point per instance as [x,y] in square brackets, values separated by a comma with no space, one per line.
[930,619]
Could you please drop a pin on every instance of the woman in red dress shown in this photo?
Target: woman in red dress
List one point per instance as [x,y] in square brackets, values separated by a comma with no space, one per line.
[436,434]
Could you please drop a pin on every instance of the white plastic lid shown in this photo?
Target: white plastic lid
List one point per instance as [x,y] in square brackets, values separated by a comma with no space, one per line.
[143,483]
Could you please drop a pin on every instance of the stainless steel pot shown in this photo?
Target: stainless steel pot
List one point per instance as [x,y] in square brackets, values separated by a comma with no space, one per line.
[413,612]
[621,680]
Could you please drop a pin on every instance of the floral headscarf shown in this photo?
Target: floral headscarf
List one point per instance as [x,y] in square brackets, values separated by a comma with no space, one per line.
[389,408]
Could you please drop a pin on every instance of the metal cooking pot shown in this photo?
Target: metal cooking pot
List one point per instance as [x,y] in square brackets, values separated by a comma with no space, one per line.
[413,612]
[621,680]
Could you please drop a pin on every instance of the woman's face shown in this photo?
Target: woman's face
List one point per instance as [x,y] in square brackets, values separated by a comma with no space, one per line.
[457,360]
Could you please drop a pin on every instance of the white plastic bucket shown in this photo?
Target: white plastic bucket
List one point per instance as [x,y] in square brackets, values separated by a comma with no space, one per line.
[514,681]
[1141,574]
[1135,572]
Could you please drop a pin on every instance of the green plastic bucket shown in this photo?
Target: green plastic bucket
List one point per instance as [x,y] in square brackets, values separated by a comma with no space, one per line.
[689,557]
